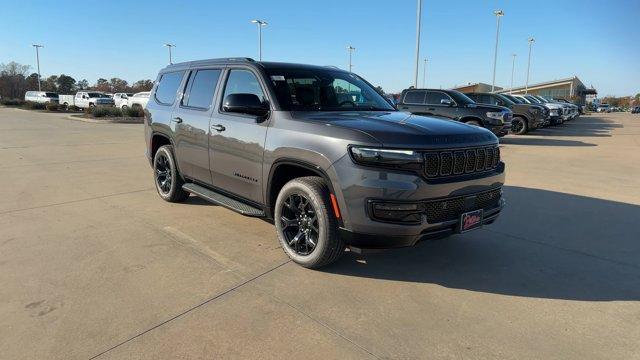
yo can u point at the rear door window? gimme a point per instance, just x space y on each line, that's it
416 97
435 97
168 87
201 87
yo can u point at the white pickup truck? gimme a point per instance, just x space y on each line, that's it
122 100
139 99
86 99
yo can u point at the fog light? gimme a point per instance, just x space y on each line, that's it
397 212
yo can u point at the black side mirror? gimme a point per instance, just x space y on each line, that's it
245 104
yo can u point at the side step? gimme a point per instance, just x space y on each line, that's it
223 200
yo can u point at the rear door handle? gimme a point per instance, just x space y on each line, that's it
218 128
177 119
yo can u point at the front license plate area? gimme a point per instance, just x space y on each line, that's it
471 220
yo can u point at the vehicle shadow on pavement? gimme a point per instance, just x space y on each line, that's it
587 126
542 142
545 245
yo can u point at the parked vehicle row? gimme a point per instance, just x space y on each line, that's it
86 99
318 151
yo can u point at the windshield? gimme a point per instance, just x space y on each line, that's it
507 100
532 99
460 98
542 100
95 95
516 100
324 90
51 95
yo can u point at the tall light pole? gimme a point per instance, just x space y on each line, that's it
350 49
498 14
424 74
169 46
418 21
37 46
260 24
513 66
526 86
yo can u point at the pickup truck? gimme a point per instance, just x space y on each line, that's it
121 100
526 117
139 99
86 99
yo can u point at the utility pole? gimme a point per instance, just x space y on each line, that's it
418 21
498 14
169 46
424 74
350 49
260 24
513 66
38 62
526 86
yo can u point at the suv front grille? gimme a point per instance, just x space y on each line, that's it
451 208
456 162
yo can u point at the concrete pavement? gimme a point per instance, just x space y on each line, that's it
94 264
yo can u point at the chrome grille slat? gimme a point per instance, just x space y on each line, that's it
453 162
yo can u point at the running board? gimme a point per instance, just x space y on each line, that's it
222 200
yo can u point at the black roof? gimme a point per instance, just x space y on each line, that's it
247 61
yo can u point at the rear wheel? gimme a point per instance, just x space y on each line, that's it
124 107
519 126
166 176
306 224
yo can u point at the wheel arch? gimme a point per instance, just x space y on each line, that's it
286 169
468 118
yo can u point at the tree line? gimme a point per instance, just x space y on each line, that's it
16 79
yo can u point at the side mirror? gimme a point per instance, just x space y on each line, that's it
245 104
446 102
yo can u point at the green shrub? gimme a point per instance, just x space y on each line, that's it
134 112
52 107
104 111
33 105
12 102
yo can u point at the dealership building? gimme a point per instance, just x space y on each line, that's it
569 88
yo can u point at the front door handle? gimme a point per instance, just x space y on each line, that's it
177 119
218 128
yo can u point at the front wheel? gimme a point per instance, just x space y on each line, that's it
519 126
473 123
306 223
166 175
124 107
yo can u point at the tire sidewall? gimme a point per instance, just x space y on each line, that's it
523 130
166 150
319 206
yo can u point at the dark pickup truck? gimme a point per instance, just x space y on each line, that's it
526 117
455 105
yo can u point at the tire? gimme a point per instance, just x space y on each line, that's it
519 126
312 223
124 107
473 123
166 176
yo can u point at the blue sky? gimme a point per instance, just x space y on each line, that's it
595 40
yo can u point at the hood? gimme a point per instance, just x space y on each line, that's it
402 130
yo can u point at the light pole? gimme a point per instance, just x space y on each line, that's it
418 21
169 46
350 49
424 74
526 86
513 66
38 62
260 24
498 14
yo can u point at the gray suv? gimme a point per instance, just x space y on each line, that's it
319 152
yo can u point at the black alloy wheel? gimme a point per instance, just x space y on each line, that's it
163 173
299 224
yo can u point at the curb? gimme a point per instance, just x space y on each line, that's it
106 120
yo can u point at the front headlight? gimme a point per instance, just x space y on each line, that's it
553 112
390 158
495 115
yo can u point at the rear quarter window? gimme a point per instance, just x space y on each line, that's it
168 87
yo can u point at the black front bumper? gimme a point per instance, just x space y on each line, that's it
441 230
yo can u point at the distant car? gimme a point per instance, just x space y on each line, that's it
139 99
87 99
635 110
603 108
41 97
555 110
121 100
526 117
454 105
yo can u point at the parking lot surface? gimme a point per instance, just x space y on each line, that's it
94 264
